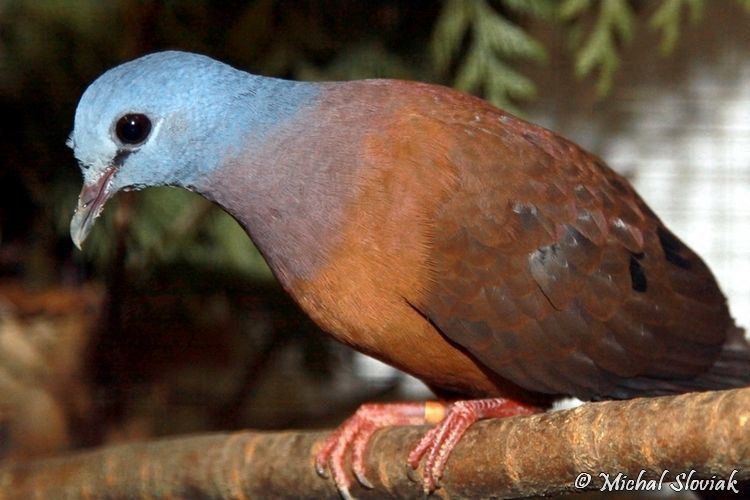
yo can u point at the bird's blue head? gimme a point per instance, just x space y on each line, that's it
168 118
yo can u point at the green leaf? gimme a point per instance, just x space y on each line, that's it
540 9
615 21
620 16
668 18
450 30
495 40
570 9
505 37
470 75
510 82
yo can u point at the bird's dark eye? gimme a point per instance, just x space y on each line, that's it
133 128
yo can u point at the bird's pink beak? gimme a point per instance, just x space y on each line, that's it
90 204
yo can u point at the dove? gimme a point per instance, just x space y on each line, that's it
496 261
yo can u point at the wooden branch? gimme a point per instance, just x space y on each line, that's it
539 454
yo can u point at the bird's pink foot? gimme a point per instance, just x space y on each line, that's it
355 433
452 421
439 441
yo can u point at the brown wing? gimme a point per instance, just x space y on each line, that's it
553 273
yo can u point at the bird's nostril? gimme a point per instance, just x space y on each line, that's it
95 191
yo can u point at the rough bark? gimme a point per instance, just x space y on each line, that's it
539 454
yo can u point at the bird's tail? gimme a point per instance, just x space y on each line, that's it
730 370
732 367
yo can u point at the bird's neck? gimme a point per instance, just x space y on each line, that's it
246 111
288 187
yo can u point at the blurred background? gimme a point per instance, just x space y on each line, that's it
170 322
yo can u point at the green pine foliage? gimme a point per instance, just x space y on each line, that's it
597 51
495 42
668 19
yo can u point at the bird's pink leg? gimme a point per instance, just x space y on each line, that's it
452 421
439 442
356 431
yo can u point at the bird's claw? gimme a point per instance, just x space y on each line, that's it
320 469
354 435
438 444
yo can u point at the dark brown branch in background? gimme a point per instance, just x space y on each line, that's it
709 432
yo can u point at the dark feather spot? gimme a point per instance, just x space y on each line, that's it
551 272
637 274
673 248
527 214
542 255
